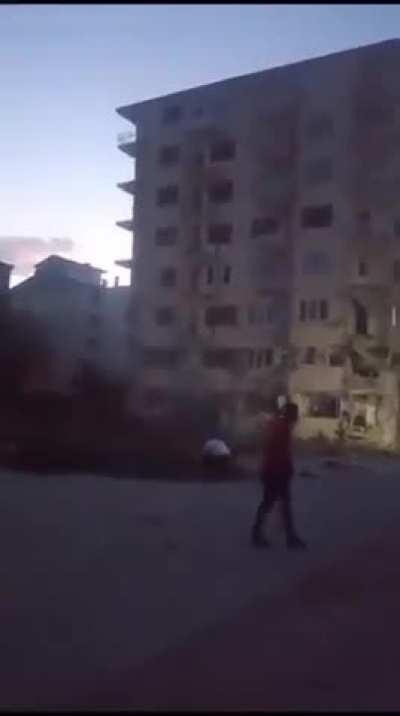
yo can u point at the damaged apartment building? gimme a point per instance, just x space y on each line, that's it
266 243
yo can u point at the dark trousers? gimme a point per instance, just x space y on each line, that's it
276 490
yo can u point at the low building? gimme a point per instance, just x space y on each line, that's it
87 324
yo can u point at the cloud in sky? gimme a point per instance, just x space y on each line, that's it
26 251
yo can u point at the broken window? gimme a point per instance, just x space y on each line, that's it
219 358
361 318
160 357
337 358
320 126
264 226
166 235
168 277
318 171
172 114
323 405
165 316
221 192
310 355
169 155
167 195
396 271
362 268
223 151
317 217
220 233
221 316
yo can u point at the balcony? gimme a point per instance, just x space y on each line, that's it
127 224
128 186
124 263
126 142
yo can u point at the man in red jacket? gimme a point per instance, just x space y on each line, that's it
276 476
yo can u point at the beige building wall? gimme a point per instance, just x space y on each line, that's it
306 137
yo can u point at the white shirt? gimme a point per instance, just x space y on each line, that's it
216 448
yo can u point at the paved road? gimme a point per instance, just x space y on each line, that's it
134 594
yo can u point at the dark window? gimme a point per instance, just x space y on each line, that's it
264 226
223 151
364 217
167 195
337 358
160 357
221 192
312 310
259 360
166 235
218 358
221 316
227 274
172 114
323 406
210 274
317 217
361 318
220 233
168 277
310 355
268 356
396 271
323 310
165 316
320 126
395 361
396 227
303 311
318 170
169 155
362 268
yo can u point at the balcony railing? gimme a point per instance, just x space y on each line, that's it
126 137
127 143
128 186
127 224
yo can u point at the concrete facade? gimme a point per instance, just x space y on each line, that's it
266 224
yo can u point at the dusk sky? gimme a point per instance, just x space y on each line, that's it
63 71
